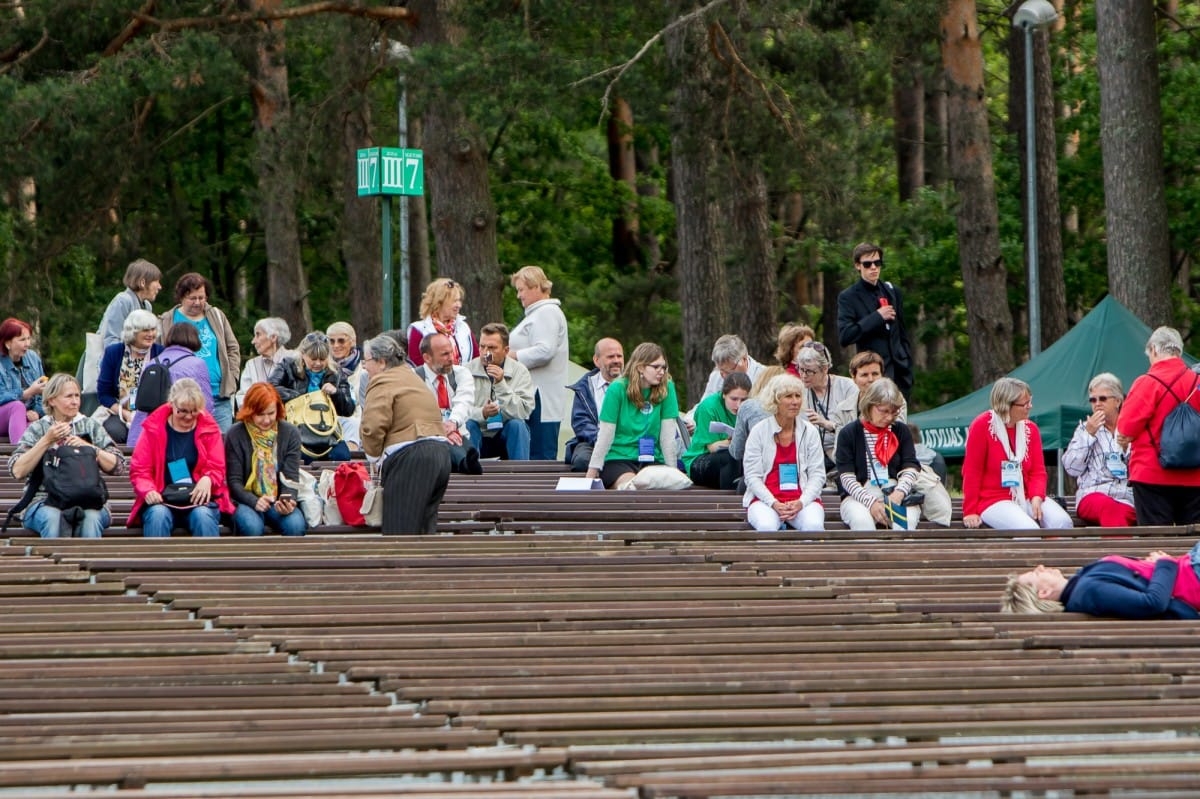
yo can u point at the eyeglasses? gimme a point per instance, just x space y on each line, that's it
185 411
887 410
339 340
1094 400
810 372
1026 404
658 367
316 338
871 264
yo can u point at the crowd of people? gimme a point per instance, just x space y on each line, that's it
228 439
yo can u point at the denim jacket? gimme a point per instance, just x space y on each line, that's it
11 384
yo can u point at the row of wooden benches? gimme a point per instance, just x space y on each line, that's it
582 665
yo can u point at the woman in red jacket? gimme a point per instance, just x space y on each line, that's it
178 468
1161 496
1004 475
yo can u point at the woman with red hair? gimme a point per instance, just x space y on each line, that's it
261 451
21 379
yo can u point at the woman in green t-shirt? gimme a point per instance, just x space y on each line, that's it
637 419
707 460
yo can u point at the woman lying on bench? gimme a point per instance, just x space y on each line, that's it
1159 586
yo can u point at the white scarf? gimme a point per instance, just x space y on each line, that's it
1001 432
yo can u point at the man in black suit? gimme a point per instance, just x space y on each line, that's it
871 317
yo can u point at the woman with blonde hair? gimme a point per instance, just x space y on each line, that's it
539 343
440 306
1004 471
784 466
751 412
637 419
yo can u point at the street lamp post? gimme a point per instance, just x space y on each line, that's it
1031 15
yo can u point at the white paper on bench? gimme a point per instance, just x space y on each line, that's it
579 484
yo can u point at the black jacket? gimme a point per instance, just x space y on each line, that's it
290 379
860 324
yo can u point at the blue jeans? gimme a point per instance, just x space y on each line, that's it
543 436
45 521
248 521
159 520
223 413
514 435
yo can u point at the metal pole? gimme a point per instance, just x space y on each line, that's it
386 224
1035 310
405 278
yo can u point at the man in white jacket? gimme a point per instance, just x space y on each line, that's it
503 398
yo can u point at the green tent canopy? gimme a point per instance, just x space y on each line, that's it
1109 339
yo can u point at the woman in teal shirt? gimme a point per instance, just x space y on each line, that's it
637 419
707 460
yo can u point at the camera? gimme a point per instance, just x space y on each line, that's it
487 358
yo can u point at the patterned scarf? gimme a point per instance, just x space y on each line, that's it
886 442
1001 433
131 369
447 329
263 480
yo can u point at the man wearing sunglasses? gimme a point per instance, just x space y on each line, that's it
871 317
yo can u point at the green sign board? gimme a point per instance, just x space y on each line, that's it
390 170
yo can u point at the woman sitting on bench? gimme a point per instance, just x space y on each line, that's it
1159 586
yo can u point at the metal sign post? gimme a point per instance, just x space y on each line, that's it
386 172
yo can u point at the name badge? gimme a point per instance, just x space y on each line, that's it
1010 474
495 422
446 415
789 477
879 473
646 449
1116 465
177 470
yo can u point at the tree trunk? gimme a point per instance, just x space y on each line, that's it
936 133
1139 265
751 270
456 176
622 165
418 234
989 321
361 228
703 294
1051 283
908 113
276 172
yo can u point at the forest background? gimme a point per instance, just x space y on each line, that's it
680 169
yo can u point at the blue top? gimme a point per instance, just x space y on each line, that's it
1106 588
108 381
209 345
14 380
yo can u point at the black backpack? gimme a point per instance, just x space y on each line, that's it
155 385
71 477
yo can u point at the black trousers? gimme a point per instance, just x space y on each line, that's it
715 470
1165 505
414 482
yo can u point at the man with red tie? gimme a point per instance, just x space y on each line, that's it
454 388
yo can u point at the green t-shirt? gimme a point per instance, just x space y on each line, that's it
711 409
634 422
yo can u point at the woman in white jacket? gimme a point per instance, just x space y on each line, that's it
784 464
539 342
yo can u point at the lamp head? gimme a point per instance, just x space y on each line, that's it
1034 14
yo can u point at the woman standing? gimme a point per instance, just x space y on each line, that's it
784 466
218 345
877 461
1004 475
637 419
143 281
63 425
824 392
178 468
260 449
121 371
21 379
1098 463
440 306
791 338
539 342
707 460
271 337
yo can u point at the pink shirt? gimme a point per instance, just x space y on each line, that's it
1187 585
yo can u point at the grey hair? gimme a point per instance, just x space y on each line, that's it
275 328
882 392
728 349
1006 391
783 385
137 321
1165 341
186 391
385 349
813 355
1110 381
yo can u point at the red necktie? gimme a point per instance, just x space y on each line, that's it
443 393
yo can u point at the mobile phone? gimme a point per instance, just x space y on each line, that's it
285 497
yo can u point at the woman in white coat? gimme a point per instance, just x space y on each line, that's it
784 463
539 342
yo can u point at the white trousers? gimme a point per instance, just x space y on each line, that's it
1008 515
764 519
